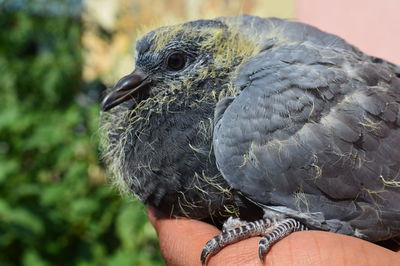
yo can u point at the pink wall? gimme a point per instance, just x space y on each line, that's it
371 25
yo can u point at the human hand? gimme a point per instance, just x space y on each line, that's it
182 240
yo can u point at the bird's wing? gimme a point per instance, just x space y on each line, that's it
315 132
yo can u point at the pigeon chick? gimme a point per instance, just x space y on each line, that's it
271 121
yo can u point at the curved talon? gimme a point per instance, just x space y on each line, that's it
203 257
210 248
263 248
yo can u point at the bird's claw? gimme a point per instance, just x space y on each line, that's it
210 248
281 229
272 232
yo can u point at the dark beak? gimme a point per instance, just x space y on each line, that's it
127 88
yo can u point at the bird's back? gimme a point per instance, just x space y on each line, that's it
313 131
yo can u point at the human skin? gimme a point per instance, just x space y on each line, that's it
181 241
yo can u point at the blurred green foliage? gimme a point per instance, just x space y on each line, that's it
55 206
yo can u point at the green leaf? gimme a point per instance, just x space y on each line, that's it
32 258
121 258
8 168
20 219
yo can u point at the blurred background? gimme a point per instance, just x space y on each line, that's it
56 59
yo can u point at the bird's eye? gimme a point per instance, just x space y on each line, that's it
176 61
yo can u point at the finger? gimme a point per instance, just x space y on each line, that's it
323 248
309 248
182 240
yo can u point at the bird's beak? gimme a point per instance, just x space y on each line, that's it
127 88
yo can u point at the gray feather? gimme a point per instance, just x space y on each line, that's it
320 134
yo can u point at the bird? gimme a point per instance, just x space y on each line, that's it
265 125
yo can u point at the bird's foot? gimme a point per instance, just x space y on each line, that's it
235 230
280 230
232 235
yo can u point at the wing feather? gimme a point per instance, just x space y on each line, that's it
315 132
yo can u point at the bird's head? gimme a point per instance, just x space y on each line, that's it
157 121
188 61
